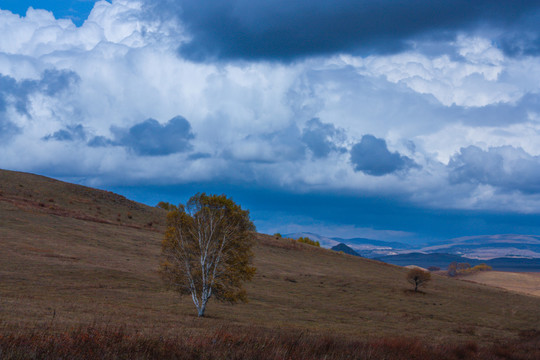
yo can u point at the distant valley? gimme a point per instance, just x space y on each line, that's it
505 252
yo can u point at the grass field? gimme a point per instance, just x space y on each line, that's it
526 283
73 256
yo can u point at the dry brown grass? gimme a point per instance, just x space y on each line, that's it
248 343
525 283
64 271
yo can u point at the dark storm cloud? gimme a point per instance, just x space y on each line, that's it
70 133
17 93
286 30
322 138
524 37
153 139
506 167
371 156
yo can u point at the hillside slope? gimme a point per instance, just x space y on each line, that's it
527 283
90 256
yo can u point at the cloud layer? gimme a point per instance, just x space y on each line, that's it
506 168
429 104
285 30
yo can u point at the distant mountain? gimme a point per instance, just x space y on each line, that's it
472 249
344 248
487 247
442 260
371 243
515 264
369 248
424 260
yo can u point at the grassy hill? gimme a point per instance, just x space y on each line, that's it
345 249
72 256
527 283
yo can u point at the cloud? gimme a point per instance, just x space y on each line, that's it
7 129
198 156
150 138
16 96
286 30
101 141
371 156
75 10
522 39
17 93
275 124
322 138
506 167
270 147
499 114
71 133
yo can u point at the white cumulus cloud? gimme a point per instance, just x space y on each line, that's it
290 125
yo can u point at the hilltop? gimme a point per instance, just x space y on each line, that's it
73 255
345 249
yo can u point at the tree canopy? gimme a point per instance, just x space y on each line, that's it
207 250
418 277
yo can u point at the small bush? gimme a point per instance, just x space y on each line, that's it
456 268
418 277
466 269
166 206
308 241
482 267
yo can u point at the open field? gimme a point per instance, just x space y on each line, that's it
71 262
526 283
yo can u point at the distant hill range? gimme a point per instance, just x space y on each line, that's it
364 247
506 252
443 260
488 247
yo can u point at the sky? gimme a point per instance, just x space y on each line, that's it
416 120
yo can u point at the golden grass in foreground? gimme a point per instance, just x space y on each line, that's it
526 283
69 265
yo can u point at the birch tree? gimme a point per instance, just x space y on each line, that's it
207 250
